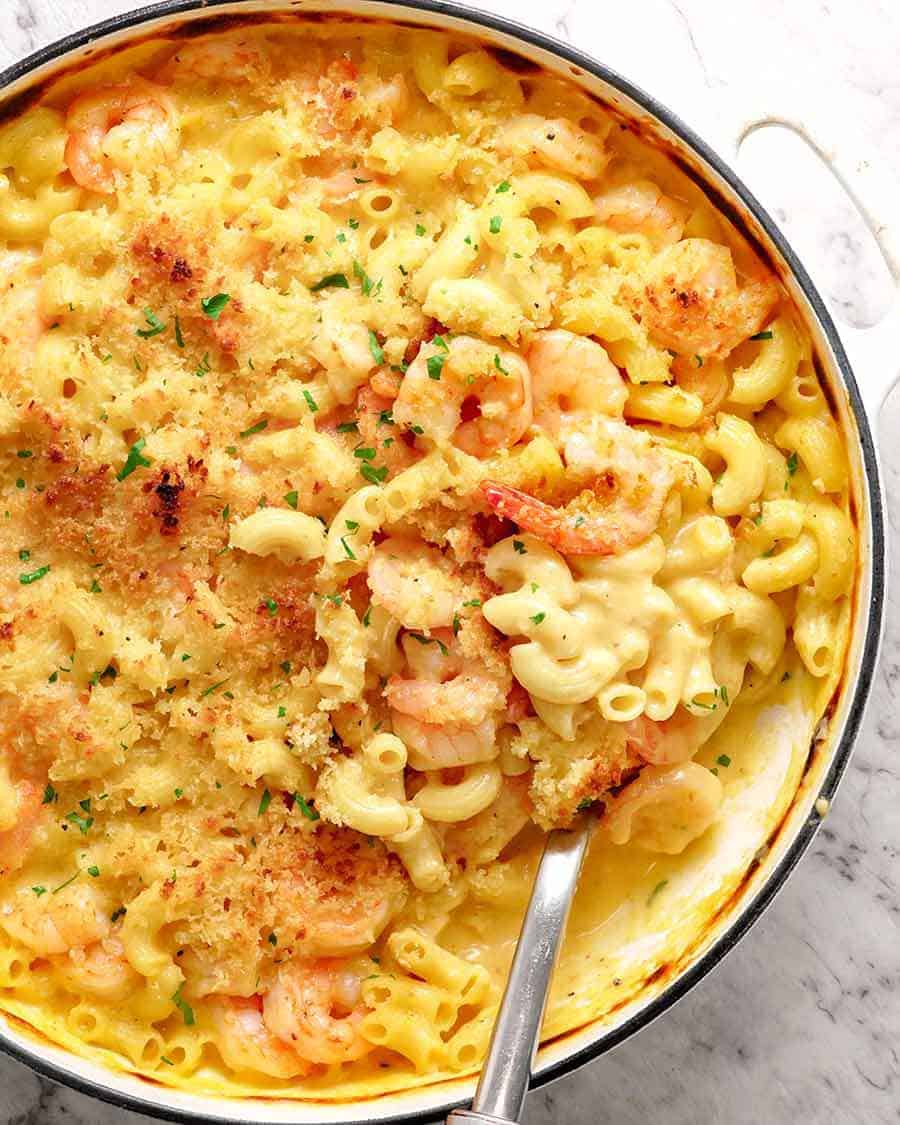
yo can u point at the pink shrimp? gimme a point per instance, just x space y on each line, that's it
665 743
449 691
217 58
433 747
414 584
572 377
14 841
316 1008
620 508
641 208
691 301
246 1043
467 392
138 110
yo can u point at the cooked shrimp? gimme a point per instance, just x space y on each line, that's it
626 487
467 392
556 144
19 823
337 891
377 430
640 207
386 383
220 57
572 378
55 923
246 1043
665 808
413 583
668 742
316 1008
706 378
388 100
691 300
433 747
137 118
450 692
101 968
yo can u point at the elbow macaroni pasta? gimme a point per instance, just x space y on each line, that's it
383 475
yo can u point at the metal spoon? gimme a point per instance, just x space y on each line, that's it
506 1073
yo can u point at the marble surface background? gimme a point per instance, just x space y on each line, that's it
801 1024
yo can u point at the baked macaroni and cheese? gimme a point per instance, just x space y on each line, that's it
399 456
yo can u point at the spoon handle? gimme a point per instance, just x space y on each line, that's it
507 1069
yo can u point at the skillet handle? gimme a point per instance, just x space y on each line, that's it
874 352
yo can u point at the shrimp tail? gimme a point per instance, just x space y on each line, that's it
569 532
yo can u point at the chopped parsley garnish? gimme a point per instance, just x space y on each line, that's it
179 793
348 428
367 617
475 603
347 548
118 913
154 325
308 237
96 588
499 365
656 890
134 460
767 335
285 666
340 236
519 547
34 575
50 795
430 641
698 360
272 938
723 694
538 618
187 1012
792 464
495 224
360 180
61 886
368 285
374 474
435 365
84 822
331 281
212 688
723 760
38 890
24 555
375 348
264 802
364 453
335 599
93 871
420 230
282 712
203 367
290 498
306 807
353 224
256 429
310 402
226 512
440 342
386 418
20 483
24 454
500 188
212 306
179 339
272 606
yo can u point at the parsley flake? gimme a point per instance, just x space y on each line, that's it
310 402
495 224
264 802
154 325
290 498
187 1012
306 807
435 365
212 306
331 281
375 348
767 335
256 429
134 460
34 575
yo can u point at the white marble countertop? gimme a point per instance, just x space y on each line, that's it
801 1024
